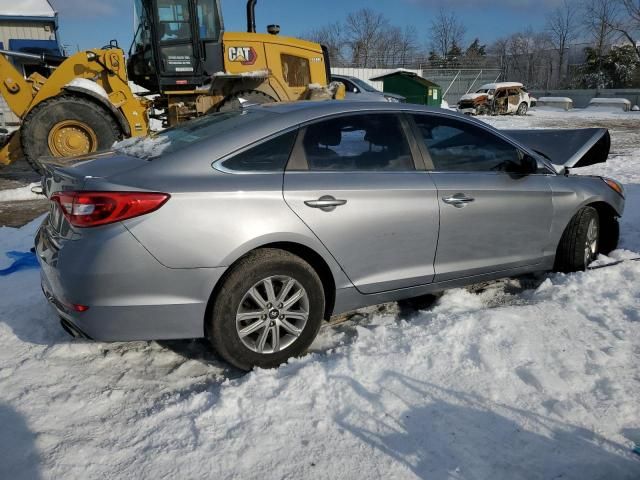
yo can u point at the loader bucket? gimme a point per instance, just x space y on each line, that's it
10 149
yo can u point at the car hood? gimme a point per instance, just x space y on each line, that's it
473 96
567 148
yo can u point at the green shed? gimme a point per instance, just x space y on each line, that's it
412 86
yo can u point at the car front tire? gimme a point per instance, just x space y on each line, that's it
580 242
268 309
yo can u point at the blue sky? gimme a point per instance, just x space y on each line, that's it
92 23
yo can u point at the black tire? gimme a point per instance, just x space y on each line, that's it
249 271
43 118
570 256
609 234
250 97
522 109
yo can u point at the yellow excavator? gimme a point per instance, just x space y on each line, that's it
184 61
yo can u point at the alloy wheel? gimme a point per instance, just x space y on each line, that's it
591 244
272 314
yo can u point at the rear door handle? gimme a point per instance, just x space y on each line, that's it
459 200
326 203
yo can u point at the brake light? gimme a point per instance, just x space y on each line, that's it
91 209
79 308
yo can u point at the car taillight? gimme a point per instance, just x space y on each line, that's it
91 209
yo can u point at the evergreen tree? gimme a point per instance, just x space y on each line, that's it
476 50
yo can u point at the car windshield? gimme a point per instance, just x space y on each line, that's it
364 85
485 90
188 133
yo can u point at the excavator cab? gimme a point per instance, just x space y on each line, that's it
177 44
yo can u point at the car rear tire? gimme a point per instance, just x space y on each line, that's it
269 308
522 109
67 125
580 242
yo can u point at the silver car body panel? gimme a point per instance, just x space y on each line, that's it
152 277
362 94
506 225
394 215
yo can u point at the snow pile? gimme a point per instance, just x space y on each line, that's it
143 147
615 104
555 99
251 74
86 84
519 379
19 194
445 105
26 8
554 103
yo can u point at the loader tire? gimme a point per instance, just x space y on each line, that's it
66 126
249 97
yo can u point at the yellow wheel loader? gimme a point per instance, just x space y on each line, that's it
186 64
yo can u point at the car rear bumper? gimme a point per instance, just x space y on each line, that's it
129 294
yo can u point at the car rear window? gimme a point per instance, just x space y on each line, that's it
188 133
269 156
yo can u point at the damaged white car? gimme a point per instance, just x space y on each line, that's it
496 99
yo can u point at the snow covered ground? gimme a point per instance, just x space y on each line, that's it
521 379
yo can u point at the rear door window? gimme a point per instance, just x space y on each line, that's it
269 156
369 142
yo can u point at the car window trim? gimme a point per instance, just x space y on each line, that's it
429 166
302 164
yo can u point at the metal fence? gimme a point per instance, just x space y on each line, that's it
455 82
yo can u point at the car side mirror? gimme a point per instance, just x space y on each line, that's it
529 165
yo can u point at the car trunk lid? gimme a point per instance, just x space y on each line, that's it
71 174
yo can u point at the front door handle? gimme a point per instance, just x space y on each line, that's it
459 200
326 203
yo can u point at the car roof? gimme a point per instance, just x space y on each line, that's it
493 86
313 109
276 118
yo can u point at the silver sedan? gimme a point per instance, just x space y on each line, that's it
252 227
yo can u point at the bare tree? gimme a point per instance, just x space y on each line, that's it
446 30
628 23
500 50
364 31
398 47
562 26
598 17
333 38
526 57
